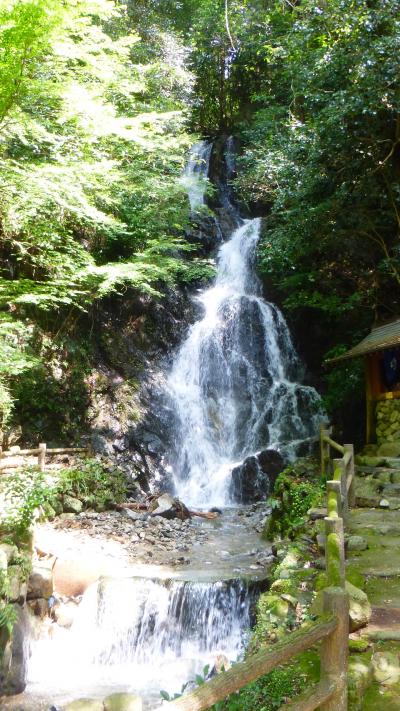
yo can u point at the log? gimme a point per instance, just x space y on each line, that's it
259 664
204 514
312 698
145 507
67 450
333 444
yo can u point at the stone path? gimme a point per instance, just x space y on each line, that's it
374 553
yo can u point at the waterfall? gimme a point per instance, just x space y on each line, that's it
196 174
234 383
144 635
235 390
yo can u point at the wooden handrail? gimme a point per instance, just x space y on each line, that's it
312 698
333 444
255 666
40 452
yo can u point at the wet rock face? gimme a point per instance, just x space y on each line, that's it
14 661
129 415
253 480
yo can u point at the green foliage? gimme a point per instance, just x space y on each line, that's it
21 495
25 30
52 397
297 489
268 693
321 155
97 486
92 146
342 381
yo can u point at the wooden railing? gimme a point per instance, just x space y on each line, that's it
41 452
332 629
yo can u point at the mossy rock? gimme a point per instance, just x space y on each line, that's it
386 668
389 449
48 511
358 646
368 461
359 678
273 607
281 586
72 505
359 607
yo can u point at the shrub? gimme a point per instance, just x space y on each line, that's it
92 483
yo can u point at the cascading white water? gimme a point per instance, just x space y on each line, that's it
196 174
234 382
142 635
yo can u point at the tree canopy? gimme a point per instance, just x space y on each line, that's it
99 101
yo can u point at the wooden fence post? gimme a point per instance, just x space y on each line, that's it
350 473
334 651
324 448
334 492
340 475
42 456
334 551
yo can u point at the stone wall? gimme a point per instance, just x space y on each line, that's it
388 421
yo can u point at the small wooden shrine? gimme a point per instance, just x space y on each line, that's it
381 350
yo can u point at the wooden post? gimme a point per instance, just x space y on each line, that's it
334 497
350 474
340 475
42 456
334 650
324 448
334 551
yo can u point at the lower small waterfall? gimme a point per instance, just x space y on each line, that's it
142 635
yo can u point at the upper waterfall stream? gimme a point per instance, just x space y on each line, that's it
234 383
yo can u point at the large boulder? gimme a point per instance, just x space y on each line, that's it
253 479
72 505
360 608
73 577
40 583
169 507
386 668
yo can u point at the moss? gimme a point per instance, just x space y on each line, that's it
333 560
358 645
297 489
332 504
321 582
280 586
355 577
